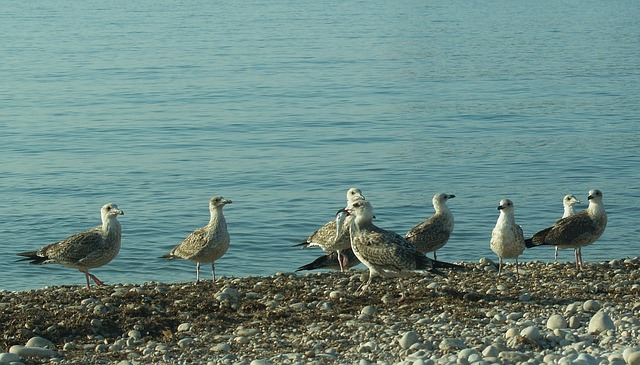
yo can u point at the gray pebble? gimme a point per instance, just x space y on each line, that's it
6 357
369 310
260 362
591 306
247 331
221 347
134 334
185 342
451 344
513 356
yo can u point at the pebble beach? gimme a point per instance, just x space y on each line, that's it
554 314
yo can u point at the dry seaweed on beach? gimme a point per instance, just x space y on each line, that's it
319 317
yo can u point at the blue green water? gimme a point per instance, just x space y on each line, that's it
282 106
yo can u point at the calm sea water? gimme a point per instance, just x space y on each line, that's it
282 106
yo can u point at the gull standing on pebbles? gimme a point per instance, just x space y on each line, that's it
334 235
433 233
385 253
568 202
507 239
85 250
207 244
576 231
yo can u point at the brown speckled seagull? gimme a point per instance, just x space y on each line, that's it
333 238
433 233
207 244
85 250
568 202
385 253
578 230
507 239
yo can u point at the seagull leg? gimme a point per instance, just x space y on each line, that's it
434 256
365 286
213 270
517 271
555 257
579 258
500 266
340 261
197 271
345 262
95 279
86 275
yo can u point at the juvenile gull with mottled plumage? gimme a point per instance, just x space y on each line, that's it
207 244
85 250
385 253
433 233
507 239
333 238
579 230
568 202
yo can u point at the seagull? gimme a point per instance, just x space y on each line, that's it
568 202
433 233
330 261
332 237
385 253
576 231
507 239
207 244
85 250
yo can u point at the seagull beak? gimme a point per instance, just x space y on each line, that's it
451 196
227 201
500 207
343 211
119 212
590 197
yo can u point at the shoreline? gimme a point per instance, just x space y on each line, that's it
472 314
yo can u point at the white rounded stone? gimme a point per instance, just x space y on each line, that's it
184 327
627 352
634 358
556 321
490 351
24 351
39 342
531 333
408 339
600 322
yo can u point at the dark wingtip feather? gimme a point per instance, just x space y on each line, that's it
322 262
32 257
